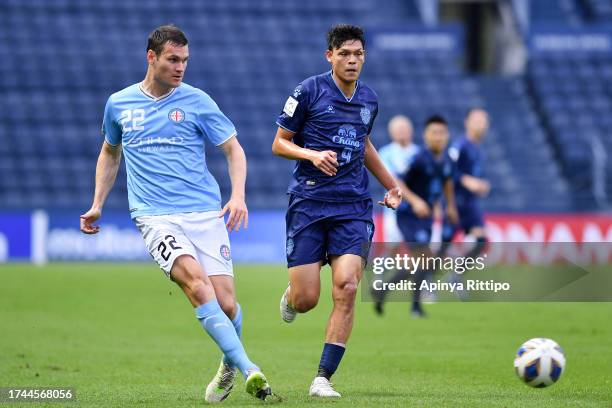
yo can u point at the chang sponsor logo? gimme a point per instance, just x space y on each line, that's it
346 136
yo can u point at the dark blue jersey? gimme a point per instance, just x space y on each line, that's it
322 118
427 174
467 158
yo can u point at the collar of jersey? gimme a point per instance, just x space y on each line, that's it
468 141
331 78
156 99
433 156
400 147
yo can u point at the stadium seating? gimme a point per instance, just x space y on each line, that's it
599 10
527 168
556 11
66 57
575 97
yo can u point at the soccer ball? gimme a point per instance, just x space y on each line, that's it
539 362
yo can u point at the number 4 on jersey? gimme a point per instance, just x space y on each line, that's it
346 155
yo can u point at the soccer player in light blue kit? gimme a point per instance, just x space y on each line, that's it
397 157
161 125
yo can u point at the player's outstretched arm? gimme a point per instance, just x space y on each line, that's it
476 185
106 172
419 206
283 146
374 164
237 168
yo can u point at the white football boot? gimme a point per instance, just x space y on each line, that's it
287 312
222 384
321 387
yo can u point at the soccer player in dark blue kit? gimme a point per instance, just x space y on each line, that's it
427 178
470 185
325 126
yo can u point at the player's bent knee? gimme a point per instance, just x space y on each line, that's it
302 304
345 292
199 290
228 306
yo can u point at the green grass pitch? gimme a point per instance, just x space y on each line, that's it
123 335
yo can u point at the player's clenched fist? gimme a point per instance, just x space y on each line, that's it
326 162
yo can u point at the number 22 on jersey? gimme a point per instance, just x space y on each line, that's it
131 119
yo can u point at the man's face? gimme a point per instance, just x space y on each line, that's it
436 137
347 60
169 67
401 132
477 124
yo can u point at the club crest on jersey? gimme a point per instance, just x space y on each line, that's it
365 115
290 246
225 252
176 115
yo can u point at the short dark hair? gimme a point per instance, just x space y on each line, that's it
436 119
340 33
165 34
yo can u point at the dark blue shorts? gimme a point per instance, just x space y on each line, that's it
414 229
470 216
317 230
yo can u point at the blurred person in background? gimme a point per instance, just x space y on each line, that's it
424 182
397 157
470 184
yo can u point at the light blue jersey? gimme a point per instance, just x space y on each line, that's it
397 159
163 143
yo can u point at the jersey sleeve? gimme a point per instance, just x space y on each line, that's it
213 123
463 161
110 128
295 111
448 172
371 124
412 168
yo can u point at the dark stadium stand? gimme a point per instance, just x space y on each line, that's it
574 94
63 58
527 168
599 10
556 11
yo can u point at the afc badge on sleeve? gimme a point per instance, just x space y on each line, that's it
290 106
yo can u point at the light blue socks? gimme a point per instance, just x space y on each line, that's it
224 333
237 322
